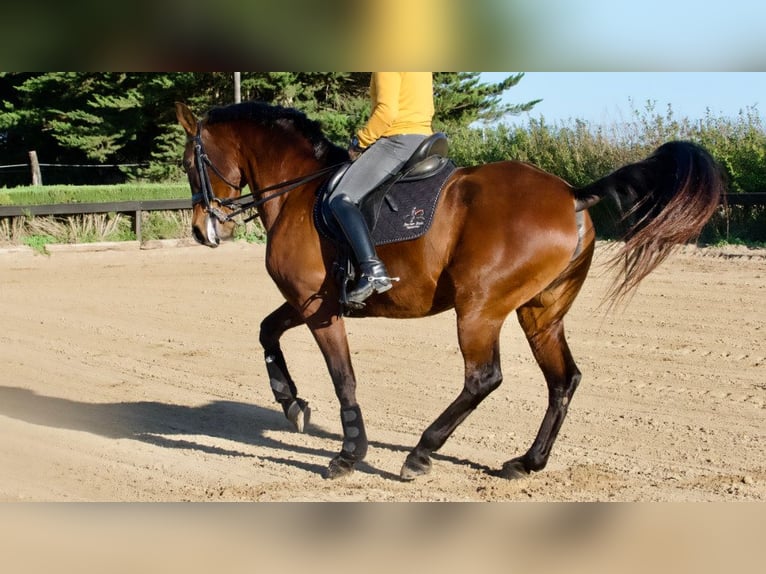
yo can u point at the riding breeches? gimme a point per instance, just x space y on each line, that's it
381 160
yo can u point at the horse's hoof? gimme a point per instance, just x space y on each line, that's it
415 466
338 468
514 469
299 414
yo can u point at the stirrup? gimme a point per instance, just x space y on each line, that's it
366 287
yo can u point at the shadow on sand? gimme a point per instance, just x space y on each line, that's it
161 424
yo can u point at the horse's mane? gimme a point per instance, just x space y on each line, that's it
270 115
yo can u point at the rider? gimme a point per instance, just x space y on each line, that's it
402 108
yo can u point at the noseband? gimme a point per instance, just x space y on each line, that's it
243 203
205 195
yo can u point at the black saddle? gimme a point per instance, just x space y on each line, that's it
428 160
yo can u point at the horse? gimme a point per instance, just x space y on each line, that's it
506 236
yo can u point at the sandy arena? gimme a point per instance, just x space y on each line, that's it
136 375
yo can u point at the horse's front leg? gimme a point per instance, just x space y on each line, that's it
285 392
331 337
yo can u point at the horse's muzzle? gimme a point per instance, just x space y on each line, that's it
206 233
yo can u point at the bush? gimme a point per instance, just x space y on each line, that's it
580 153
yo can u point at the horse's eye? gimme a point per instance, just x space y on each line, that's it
186 166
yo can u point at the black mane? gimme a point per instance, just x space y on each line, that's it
272 115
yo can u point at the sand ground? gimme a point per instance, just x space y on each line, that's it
136 375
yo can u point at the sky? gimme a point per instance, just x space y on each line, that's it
604 98
625 35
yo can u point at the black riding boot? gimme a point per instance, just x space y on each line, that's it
373 275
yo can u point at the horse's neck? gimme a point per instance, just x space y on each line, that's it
274 158
301 196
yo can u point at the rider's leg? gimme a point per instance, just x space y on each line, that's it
373 275
379 162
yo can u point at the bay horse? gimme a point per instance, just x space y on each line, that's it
505 237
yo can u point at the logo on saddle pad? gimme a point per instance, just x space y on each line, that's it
416 219
408 208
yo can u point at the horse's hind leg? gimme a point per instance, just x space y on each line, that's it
550 349
285 392
478 337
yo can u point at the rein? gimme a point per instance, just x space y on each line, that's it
243 202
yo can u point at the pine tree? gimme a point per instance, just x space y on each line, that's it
129 118
462 99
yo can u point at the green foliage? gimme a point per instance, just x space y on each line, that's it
460 99
38 242
84 118
51 194
252 232
338 101
581 153
165 225
128 119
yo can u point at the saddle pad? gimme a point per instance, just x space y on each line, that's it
408 209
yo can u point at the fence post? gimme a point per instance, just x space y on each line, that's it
137 223
37 176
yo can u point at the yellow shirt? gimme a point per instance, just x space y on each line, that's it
402 103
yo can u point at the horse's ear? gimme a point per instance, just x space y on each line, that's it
186 118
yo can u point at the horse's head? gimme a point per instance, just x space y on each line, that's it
214 177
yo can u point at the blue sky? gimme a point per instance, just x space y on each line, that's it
625 35
605 97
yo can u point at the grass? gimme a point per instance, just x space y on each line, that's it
38 242
252 232
166 225
41 195
37 232
87 228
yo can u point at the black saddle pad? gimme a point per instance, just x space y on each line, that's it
405 212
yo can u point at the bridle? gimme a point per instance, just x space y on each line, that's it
242 203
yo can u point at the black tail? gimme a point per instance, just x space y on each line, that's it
663 201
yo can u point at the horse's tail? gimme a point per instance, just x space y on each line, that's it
664 201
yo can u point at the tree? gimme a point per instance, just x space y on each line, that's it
340 100
128 118
462 99
83 118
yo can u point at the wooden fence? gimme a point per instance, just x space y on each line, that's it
746 199
134 208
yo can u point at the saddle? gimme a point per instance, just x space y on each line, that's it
400 209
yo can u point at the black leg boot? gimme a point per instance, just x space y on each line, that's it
373 275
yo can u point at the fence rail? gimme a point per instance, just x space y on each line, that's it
746 199
132 207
